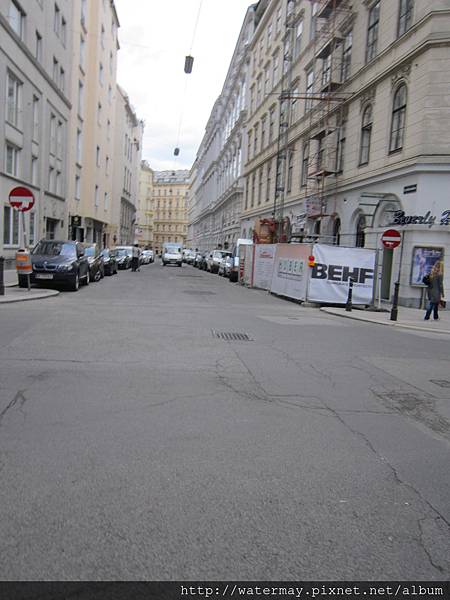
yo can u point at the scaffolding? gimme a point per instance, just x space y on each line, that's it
328 106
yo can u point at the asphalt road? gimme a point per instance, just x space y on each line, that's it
136 443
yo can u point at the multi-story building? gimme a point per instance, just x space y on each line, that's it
170 193
345 137
128 132
95 46
35 75
146 206
216 204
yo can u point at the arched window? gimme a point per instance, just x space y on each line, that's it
398 119
360 235
337 231
366 134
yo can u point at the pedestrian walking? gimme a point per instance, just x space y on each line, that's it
135 258
435 290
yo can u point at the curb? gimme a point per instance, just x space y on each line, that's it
39 296
389 324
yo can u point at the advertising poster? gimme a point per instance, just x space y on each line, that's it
290 270
423 260
263 265
335 265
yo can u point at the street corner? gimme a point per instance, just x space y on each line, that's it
16 294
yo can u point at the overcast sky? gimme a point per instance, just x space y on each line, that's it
155 36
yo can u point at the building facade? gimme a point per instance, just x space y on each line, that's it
344 128
128 132
146 206
216 203
35 74
93 120
170 207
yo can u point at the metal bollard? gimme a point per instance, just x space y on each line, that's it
2 279
394 310
348 306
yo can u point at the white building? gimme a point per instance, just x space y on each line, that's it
35 72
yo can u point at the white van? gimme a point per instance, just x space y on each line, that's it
234 274
172 254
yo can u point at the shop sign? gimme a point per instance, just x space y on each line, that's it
401 218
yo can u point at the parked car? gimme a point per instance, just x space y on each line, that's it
188 256
204 261
199 257
172 254
109 261
123 256
225 266
58 262
234 274
214 258
146 257
95 259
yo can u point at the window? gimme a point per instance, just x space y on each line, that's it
398 119
62 79
258 90
63 31
107 165
83 12
298 38
105 201
100 74
38 47
14 92
57 21
108 129
269 181
360 235
59 140
99 113
52 134
77 187
34 170
326 71
51 179
82 51
97 156
260 182
263 133
269 35
10 226
255 139
347 56
290 171
305 161
372 32
267 79
111 63
252 202
12 154
271 123
58 183
340 155
79 146
314 10
80 97
366 133
16 18
96 196
405 16
278 20
102 36
276 59
50 228
249 144
309 90
109 94
294 107
55 70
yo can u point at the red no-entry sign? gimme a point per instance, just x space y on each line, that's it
391 238
21 198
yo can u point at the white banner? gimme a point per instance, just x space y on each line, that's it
263 265
335 266
290 270
246 264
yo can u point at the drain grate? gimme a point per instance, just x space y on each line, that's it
199 293
444 383
231 336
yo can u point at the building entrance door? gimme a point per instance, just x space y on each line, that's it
386 275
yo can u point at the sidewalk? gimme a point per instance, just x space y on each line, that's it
15 294
408 318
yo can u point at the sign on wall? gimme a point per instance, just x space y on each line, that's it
334 266
263 261
423 260
290 270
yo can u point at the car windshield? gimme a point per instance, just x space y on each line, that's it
172 249
104 253
121 252
54 249
89 250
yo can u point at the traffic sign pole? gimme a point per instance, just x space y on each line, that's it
394 310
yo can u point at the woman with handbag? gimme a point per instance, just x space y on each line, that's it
435 290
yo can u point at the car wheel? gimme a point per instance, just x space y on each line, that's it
75 285
97 275
102 273
87 279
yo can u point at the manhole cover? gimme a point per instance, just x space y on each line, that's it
231 336
444 383
199 293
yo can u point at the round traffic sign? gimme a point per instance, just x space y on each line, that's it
21 198
391 238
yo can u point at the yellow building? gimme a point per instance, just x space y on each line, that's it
170 199
144 229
